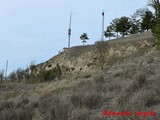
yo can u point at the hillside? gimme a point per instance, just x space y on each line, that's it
82 59
116 75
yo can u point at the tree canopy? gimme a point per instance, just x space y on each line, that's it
84 37
109 32
148 21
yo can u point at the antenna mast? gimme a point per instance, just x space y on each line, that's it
69 30
102 37
6 69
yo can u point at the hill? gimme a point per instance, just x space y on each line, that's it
120 75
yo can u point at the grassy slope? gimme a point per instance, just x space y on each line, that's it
127 83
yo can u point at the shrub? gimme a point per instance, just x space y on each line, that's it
89 100
92 100
77 100
81 114
115 86
99 53
24 101
56 105
10 94
7 105
47 75
13 76
86 76
141 78
60 111
99 79
143 99
132 87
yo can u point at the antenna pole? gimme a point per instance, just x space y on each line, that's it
102 37
6 69
69 30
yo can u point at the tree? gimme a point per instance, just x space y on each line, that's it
13 76
148 21
124 26
100 52
109 32
156 31
115 25
84 37
139 13
134 25
155 4
121 25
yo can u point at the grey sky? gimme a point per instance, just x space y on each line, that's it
35 30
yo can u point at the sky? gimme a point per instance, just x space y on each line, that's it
36 30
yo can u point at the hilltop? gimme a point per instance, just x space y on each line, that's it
118 75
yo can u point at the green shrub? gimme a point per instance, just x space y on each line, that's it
156 32
47 75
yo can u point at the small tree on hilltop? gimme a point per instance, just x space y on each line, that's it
115 25
148 21
84 37
124 25
109 32
156 32
13 76
121 25
135 25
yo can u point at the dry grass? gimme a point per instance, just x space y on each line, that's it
10 94
80 114
115 85
9 110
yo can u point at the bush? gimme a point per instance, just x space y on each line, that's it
16 114
89 100
47 75
86 76
115 86
19 75
99 79
54 104
19 111
77 100
141 78
81 114
132 87
92 100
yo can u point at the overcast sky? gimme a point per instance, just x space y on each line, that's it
35 30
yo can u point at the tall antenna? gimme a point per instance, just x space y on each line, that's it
102 37
69 30
6 69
